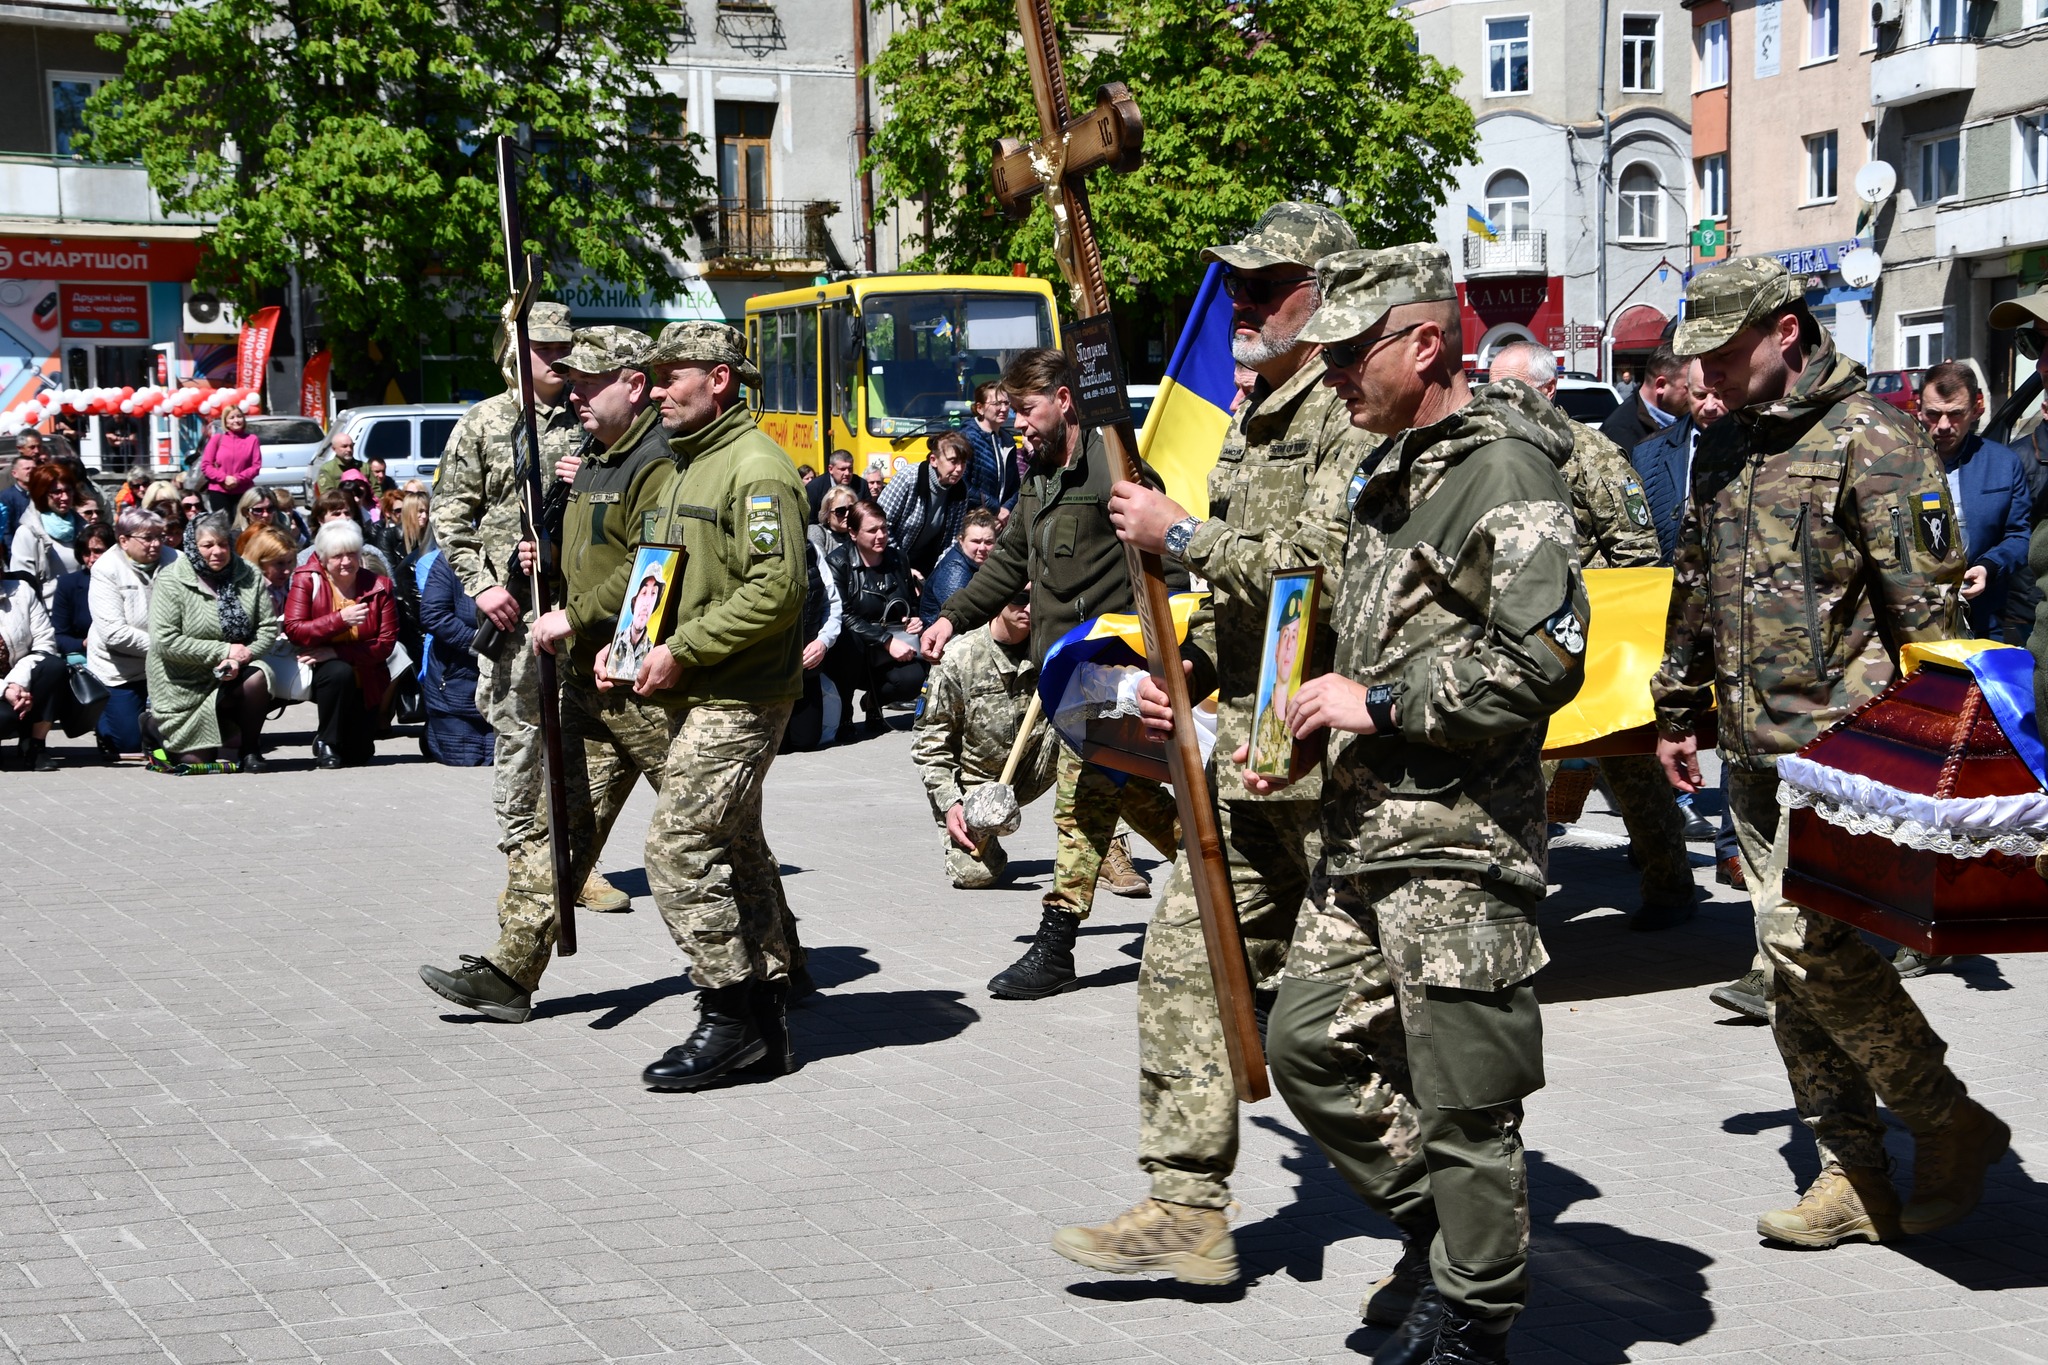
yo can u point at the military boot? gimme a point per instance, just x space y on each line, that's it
771 1016
1414 1341
1949 1165
1190 1243
478 985
1047 967
601 896
1468 1341
1387 1303
1120 872
727 1037
1744 996
1843 1202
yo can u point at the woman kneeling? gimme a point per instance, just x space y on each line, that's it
209 617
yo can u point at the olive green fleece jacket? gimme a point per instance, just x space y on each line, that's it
736 507
613 491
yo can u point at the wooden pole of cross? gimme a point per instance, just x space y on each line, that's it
1067 148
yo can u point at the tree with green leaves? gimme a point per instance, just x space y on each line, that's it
1245 102
352 140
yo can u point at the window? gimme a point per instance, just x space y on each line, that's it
1507 204
390 439
1936 21
1823 29
743 132
68 94
1820 168
1642 204
1714 185
1713 41
1640 68
434 434
1939 170
2033 150
1507 56
1923 340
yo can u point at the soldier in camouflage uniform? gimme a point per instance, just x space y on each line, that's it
608 740
728 672
975 700
1818 538
1461 626
1276 502
479 524
1616 532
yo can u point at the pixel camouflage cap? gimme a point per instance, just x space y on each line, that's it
604 350
713 343
1358 287
1722 300
1289 233
549 322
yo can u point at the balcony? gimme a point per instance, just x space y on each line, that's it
1924 71
1520 253
61 189
774 231
1992 225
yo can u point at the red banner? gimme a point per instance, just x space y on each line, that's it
252 351
313 387
82 258
105 312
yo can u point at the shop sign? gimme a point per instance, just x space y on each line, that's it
104 312
79 258
1814 260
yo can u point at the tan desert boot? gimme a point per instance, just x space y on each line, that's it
1189 1243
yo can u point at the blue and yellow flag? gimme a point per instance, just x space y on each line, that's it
1479 223
1184 431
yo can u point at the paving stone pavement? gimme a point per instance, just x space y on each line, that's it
235 1126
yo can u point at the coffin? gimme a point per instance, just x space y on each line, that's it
1917 817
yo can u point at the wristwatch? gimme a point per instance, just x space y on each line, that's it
1179 534
1379 705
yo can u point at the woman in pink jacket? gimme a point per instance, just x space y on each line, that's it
231 461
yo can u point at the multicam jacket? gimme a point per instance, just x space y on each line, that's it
1277 500
1461 595
1613 516
1818 538
973 704
476 508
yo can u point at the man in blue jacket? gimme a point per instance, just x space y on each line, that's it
1988 484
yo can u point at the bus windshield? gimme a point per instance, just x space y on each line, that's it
923 353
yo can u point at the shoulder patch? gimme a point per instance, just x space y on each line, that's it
1638 506
764 526
1931 526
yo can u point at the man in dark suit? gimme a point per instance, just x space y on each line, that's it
1658 402
838 473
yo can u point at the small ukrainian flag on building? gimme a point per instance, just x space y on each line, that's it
1478 223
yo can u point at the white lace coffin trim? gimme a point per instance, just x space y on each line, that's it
1962 827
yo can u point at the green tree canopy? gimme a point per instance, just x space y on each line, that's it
1246 102
352 139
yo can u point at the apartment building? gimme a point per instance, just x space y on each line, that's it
1583 172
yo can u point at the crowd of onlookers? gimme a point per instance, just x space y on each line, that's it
177 620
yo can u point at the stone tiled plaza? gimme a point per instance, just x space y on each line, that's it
235 1127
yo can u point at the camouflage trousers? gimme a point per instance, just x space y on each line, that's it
1847 1029
1087 803
715 880
609 739
1421 1085
1648 808
508 694
970 872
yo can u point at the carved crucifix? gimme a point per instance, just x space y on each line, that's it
1067 149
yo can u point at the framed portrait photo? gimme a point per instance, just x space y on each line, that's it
648 611
1290 632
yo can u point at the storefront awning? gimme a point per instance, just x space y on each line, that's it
1639 329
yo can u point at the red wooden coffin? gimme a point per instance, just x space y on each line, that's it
1915 819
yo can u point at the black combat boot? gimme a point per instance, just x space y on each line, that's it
771 1016
1386 1304
727 1037
1047 967
1468 1341
1414 1341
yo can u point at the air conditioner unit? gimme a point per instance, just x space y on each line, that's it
206 315
1884 13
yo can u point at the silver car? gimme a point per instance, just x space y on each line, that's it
407 437
291 447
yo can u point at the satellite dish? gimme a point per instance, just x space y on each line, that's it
1876 182
1861 267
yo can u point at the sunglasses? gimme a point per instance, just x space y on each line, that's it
1244 288
838 514
2028 340
1342 355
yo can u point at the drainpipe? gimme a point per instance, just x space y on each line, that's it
860 134
1606 351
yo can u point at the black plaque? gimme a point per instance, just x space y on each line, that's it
1099 397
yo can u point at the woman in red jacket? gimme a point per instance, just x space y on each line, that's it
344 620
231 461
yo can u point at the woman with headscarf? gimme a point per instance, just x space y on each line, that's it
117 647
345 622
210 619
45 544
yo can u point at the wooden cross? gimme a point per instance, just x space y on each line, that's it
1066 150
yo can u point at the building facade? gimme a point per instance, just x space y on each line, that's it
1570 228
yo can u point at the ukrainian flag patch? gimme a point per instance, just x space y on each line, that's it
1931 524
764 527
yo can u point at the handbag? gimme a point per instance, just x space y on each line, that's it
83 701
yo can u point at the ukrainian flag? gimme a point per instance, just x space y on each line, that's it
1184 431
1477 222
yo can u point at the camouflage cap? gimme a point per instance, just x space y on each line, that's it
711 342
602 350
1289 233
549 322
1358 287
2029 311
1722 300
